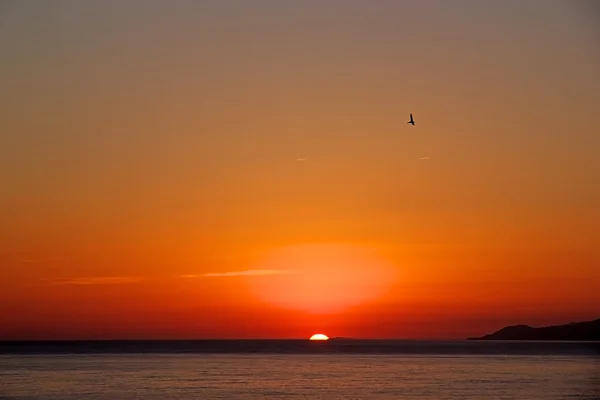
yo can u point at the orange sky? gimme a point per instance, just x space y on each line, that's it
142 148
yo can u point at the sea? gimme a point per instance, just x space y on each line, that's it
299 369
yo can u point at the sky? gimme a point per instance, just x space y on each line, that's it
236 169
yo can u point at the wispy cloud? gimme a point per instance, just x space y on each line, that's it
424 158
98 280
251 272
20 257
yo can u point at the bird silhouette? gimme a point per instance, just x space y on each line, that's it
412 121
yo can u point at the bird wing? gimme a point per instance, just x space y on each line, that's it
411 118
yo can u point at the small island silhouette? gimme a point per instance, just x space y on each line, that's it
575 331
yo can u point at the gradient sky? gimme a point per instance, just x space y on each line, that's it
144 144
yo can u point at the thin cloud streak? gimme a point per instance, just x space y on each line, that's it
251 272
99 280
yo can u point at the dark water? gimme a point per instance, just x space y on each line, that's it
302 346
299 369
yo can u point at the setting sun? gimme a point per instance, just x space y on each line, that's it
319 336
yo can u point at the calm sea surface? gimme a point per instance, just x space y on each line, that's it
280 369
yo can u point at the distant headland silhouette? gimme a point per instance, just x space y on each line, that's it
575 331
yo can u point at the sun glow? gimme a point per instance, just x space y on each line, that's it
323 278
319 336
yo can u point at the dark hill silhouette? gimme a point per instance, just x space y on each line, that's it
589 330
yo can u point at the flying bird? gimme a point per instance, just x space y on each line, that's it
412 121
